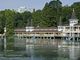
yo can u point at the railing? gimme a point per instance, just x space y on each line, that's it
35 35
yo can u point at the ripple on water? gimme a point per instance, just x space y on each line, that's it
14 58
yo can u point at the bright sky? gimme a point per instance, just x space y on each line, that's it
37 4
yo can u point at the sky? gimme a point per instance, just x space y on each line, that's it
30 4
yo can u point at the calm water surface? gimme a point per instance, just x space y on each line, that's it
47 50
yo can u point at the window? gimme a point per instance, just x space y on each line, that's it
67 27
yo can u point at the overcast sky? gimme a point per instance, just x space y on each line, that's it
37 4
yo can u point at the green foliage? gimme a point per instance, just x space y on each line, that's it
66 14
18 20
37 18
9 16
49 16
2 21
26 16
76 6
21 19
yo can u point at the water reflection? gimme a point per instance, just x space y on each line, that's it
55 50
47 50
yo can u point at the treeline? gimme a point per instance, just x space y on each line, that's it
51 15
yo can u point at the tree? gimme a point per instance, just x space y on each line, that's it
18 20
21 19
26 16
66 14
9 16
76 7
52 12
2 21
37 18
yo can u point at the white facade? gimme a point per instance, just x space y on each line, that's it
72 29
22 9
29 28
73 22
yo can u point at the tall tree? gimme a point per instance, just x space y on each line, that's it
9 15
2 21
76 7
52 12
18 20
26 16
21 19
37 18
66 14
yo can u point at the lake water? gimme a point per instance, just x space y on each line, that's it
47 50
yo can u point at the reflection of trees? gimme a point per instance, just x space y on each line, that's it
46 42
45 48
45 51
79 58
63 53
